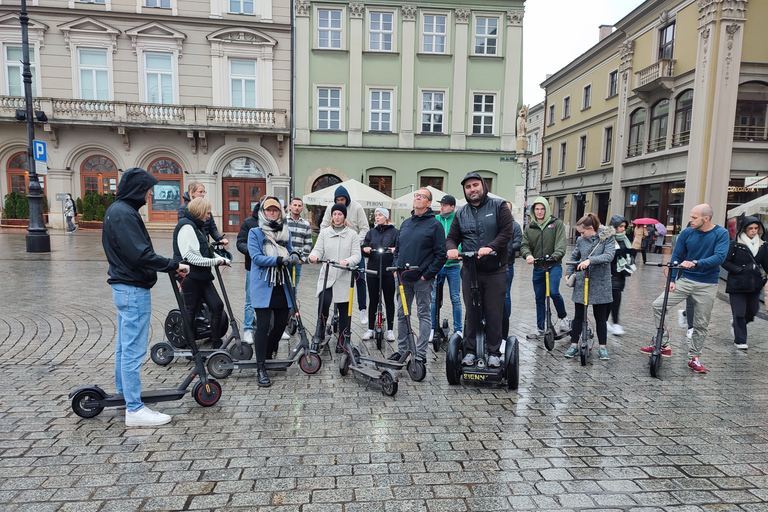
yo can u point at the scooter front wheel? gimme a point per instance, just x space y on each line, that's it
86 403
549 340
417 370
344 365
161 353
584 353
388 382
379 336
513 364
310 363
655 365
217 363
453 357
174 329
207 395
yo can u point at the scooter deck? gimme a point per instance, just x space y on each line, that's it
378 361
482 375
368 371
156 395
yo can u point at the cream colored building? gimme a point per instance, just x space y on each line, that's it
667 111
192 90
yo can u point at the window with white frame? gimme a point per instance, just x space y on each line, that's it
566 107
329 28
483 114
93 71
563 156
582 162
329 108
486 35
613 83
432 110
241 6
381 110
548 162
381 30
607 144
551 115
158 73
91 1
586 97
164 4
14 83
242 83
435 33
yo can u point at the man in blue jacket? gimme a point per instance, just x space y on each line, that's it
421 243
700 249
133 268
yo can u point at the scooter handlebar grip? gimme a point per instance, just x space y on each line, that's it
371 272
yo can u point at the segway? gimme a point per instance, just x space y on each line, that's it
658 340
440 336
587 336
550 333
89 401
221 363
509 370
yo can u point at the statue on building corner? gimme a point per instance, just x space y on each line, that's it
522 129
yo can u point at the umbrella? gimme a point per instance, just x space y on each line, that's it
645 220
367 197
660 228
405 202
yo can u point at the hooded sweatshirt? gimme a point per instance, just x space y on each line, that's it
356 216
126 242
745 270
545 238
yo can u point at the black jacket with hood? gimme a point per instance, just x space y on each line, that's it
126 242
422 243
242 236
744 268
209 226
488 224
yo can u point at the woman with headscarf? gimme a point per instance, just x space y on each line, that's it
747 265
622 266
384 235
270 248
338 242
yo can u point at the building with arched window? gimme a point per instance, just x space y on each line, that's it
666 111
191 91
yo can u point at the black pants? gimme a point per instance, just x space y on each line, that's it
689 304
493 288
388 290
361 285
616 305
266 340
657 249
601 317
744 307
343 309
194 293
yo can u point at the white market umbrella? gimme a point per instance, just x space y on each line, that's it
405 202
366 196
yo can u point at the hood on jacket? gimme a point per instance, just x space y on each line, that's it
474 175
745 222
617 220
605 232
185 197
426 215
255 214
134 186
341 191
547 213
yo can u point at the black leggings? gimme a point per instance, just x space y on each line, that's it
343 310
194 293
388 290
266 341
601 317
616 305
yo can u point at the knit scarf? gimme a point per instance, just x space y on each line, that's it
752 243
624 264
276 237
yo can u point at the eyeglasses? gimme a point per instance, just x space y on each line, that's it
420 196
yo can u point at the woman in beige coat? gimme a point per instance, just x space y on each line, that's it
638 244
338 242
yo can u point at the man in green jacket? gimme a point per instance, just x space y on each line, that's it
545 236
451 271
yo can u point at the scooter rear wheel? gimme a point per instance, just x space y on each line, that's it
174 329
161 353
293 325
86 403
655 365
453 357
549 340
583 353
513 364
379 337
344 365
417 370
310 364
388 382
207 397
241 351
216 365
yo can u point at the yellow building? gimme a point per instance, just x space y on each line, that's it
666 111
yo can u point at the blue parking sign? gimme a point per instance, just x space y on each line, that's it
39 150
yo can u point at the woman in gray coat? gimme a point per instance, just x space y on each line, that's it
595 248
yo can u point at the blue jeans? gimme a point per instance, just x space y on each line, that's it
298 276
508 298
540 290
134 310
248 311
453 276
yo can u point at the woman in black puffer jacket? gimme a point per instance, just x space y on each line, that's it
746 263
383 235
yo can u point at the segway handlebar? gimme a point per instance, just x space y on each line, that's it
406 267
545 259
473 254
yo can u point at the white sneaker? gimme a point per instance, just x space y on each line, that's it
609 328
461 334
617 330
390 336
285 336
742 346
364 316
368 334
248 337
145 417
494 362
564 324
681 320
469 360
431 334
689 334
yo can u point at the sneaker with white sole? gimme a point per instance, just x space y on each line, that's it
431 334
602 352
572 351
469 360
248 337
364 316
461 334
145 417
494 362
609 328
285 336
617 330
368 334
689 333
390 336
536 335
563 324
682 321
741 346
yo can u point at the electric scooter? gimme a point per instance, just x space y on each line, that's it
221 363
89 401
324 330
378 330
550 333
293 325
440 336
661 331
508 371
587 336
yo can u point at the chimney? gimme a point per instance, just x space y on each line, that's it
605 31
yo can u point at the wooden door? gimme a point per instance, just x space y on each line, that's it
239 198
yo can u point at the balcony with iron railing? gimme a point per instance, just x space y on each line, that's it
635 149
657 144
750 133
147 115
681 138
659 75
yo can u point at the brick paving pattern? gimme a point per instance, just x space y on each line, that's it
606 436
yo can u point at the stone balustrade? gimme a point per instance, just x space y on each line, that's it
660 69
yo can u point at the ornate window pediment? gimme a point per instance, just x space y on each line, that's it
9 30
156 36
241 36
89 31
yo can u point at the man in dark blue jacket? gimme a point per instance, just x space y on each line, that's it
133 268
421 243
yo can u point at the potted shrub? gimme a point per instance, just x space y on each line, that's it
16 210
94 207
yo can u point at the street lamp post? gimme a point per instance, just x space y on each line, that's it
38 239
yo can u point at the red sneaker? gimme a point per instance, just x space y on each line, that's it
665 351
695 365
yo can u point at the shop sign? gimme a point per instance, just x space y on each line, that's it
680 190
756 182
742 189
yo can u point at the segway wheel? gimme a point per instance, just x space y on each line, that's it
388 382
655 365
217 365
379 336
86 403
344 365
549 340
293 325
161 353
417 370
583 353
513 364
310 364
453 357
207 396
174 329
241 351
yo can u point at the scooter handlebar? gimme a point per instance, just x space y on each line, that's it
406 267
545 259
473 254
672 264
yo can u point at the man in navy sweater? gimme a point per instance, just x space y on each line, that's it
700 249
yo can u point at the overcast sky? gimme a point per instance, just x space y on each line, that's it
555 32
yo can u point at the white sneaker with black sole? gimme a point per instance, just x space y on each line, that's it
145 417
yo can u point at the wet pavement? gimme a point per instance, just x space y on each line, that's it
605 436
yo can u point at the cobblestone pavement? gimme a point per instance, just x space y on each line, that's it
605 436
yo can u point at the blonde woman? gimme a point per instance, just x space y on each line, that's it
196 189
